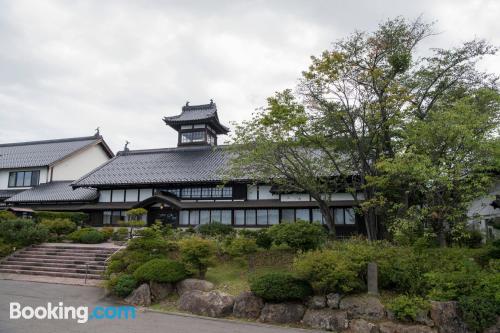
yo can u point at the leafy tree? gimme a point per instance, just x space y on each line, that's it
199 253
134 219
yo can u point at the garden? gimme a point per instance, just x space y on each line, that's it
295 274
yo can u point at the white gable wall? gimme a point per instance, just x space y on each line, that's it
80 163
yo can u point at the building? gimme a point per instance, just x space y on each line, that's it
185 185
484 212
38 174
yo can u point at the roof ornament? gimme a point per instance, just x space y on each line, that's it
97 132
126 146
187 103
211 101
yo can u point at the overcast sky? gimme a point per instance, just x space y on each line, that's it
67 67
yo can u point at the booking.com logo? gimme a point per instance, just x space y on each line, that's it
81 313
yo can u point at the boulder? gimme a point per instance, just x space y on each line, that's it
364 307
212 304
247 305
326 319
362 326
159 291
390 327
447 317
316 302
333 300
140 296
193 284
282 313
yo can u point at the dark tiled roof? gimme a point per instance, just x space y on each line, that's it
43 153
161 166
197 114
58 191
4 194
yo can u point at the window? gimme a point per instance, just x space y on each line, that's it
186 126
174 191
184 217
131 195
196 192
350 216
302 214
24 178
145 193
217 192
339 215
250 217
194 217
204 216
105 196
106 217
227 192
288 215
118 196
186 193
261 216
199 126
273 216
226 217
215 216
118 216
239 217
317 216
188 137
206 192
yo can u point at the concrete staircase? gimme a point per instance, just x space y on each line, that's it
66 261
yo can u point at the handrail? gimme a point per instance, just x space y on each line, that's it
86 270
117 250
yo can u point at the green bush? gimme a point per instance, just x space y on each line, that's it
59 226
300 235
5 249
22 232
327 272
280 287
107 231
161 270
242 246
406 308
151 244
77 217
122 285
87 236
120 234
6 215
261 236
215 229
198 253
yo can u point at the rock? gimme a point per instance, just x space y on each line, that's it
424 319
365 307
247 305
159 291
316 302
362 326
495 328
193 284
212 304
282 313
447 317
326 319
390 327
333 300
140 296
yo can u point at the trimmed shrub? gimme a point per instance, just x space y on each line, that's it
120 234
280 287
77 217
300 235
261 236
215 229
59 226
151 244
107 231
87 236
122 285
22 232
161 270
407 308
242 246
6 215
5 249
198 253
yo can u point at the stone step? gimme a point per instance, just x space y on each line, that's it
52 269
84 248
57 274
43 256
56 261
9 262
67 253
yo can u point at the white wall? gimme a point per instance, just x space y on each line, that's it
4 177
481 210
79 164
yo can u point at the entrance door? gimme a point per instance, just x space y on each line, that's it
166 215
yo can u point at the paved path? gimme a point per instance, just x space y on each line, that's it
36 294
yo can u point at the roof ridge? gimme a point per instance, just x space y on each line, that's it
27 143
169 149
199 107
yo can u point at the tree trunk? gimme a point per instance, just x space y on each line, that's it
328 216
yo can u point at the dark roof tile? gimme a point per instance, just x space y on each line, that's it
59 191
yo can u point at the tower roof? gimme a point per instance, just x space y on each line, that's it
197 114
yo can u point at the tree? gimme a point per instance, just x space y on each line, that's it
134 219
353 106
198 252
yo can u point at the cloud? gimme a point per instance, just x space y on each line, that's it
67 67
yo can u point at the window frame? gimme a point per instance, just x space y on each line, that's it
16 176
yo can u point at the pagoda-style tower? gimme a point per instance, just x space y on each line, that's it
197 125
